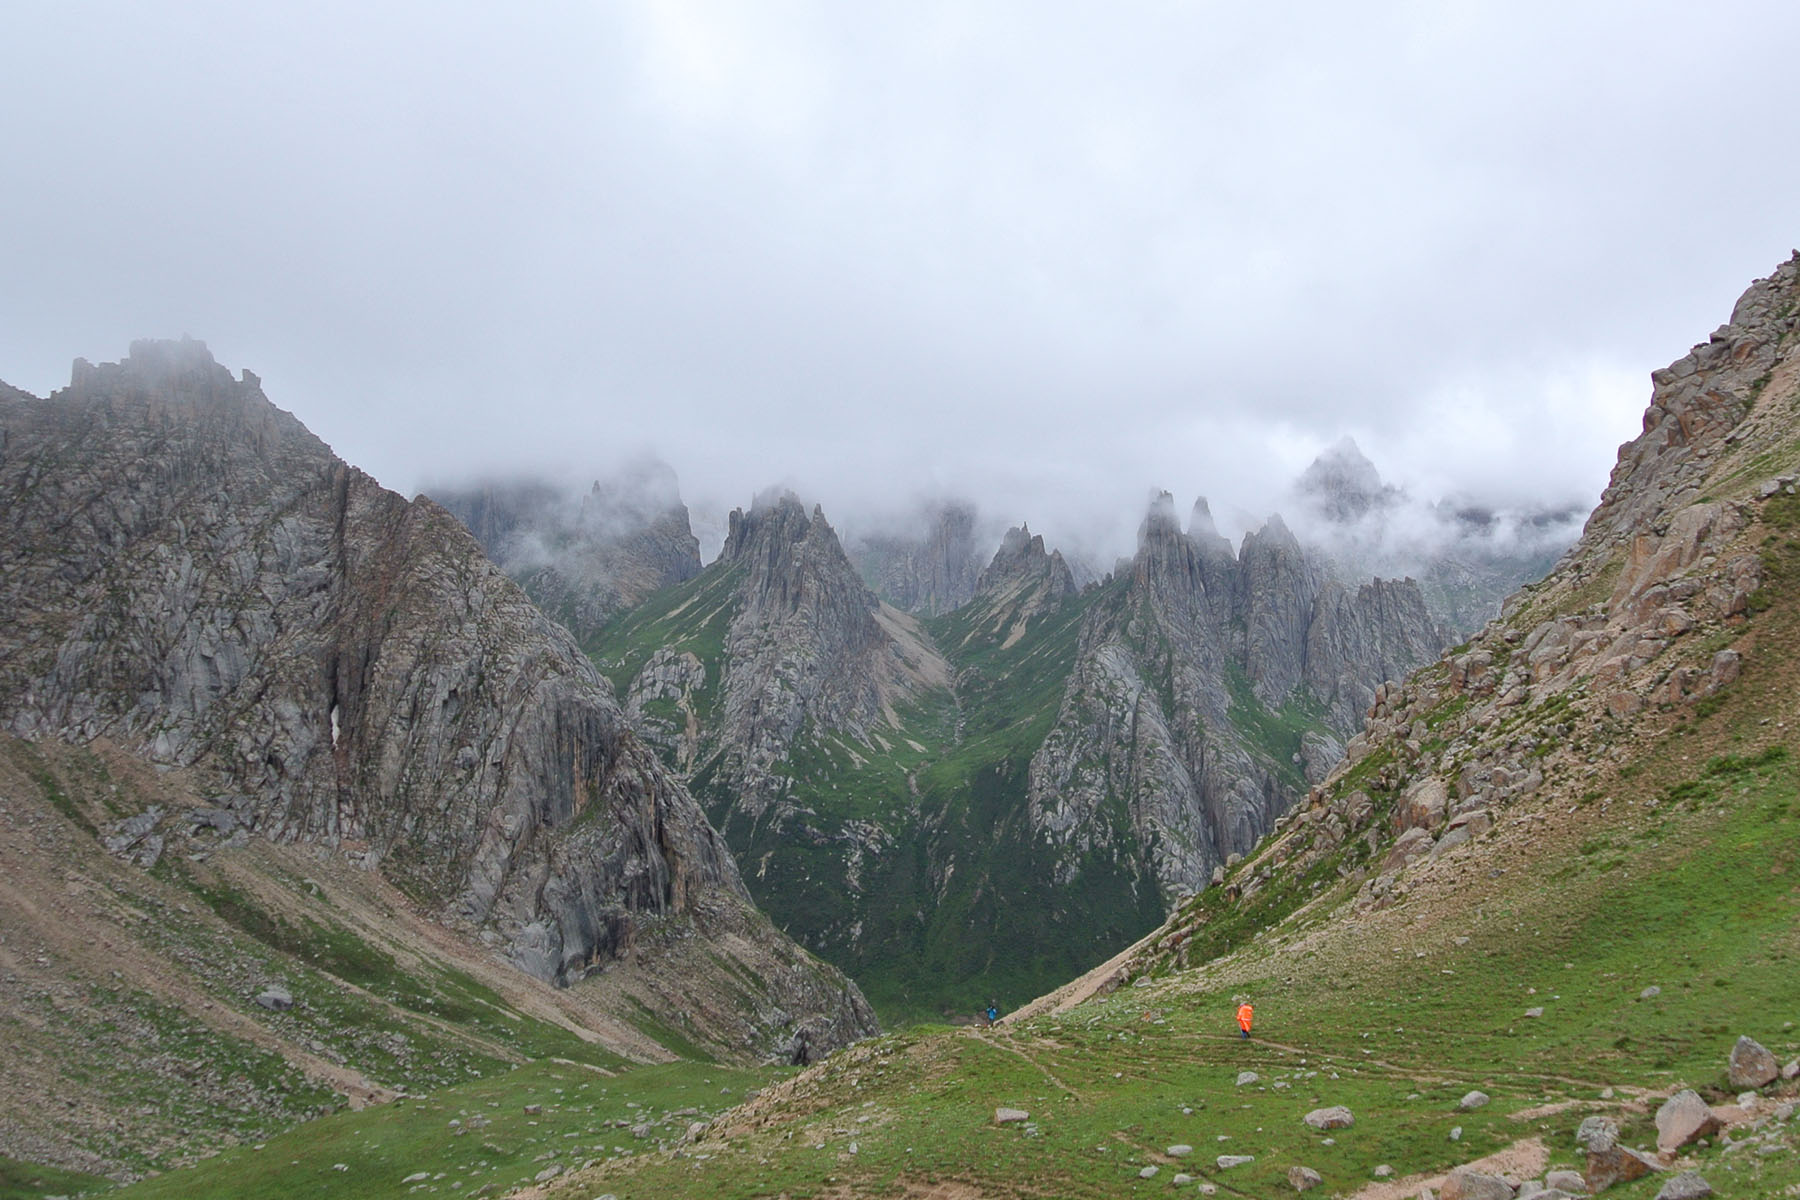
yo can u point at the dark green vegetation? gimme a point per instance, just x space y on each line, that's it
24 1181
1704 907
953 902
475 1139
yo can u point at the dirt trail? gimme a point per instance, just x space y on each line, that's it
1041 1068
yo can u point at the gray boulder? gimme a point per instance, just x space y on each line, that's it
1227 1161
1686 1186
1466 1184
1303 1178
1616 1164
1007 1116
1335 1117
1566 1181
1751 1066
1472 1101
275 998
1596 1134
1683 1118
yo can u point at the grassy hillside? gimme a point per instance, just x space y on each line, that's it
1677 871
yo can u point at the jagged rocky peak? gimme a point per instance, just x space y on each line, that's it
795 561
1203 531
1022 562
194 576
1342 484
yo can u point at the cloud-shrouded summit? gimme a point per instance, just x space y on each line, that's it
1043 258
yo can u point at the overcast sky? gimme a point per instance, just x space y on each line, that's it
1048 255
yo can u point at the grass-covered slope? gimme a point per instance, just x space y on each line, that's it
903 856
1559 867
135 1040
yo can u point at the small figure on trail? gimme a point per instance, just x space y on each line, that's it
993 1012
1244 1014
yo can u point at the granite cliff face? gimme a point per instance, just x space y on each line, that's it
584 561
191 574
1207 693
928 573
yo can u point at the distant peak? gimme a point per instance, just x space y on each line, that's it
1022 557
1342 484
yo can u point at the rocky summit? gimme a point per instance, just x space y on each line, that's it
195 578
1043 768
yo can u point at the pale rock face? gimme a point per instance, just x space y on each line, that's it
1684 1117
1148 714
932 571
193 574
809 644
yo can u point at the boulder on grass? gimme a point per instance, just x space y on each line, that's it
1616 1164
1751 1066
1466 1184
1304 1178
1686 1186
1335 1117
1683 1118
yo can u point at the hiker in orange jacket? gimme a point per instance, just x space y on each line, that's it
1244 1013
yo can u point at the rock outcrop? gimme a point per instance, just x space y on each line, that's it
808 647
192 574
1203 692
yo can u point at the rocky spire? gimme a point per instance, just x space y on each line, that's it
1022 563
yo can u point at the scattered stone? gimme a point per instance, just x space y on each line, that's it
1792 1070
1456 1133
1148 1172
1179 1150
1683 1118
548 1173
1746 1099
275 998
532 1110
1473 1101
1227 1161
1566 1181
1650 993
1596 1133
695 1129
1752 1066
417 1177
1534 1012
1247 1077
1303 1178
1006 1116
1182 1180
1686 1186
1335 1117
1383 1171
1616 1164
1465 1184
